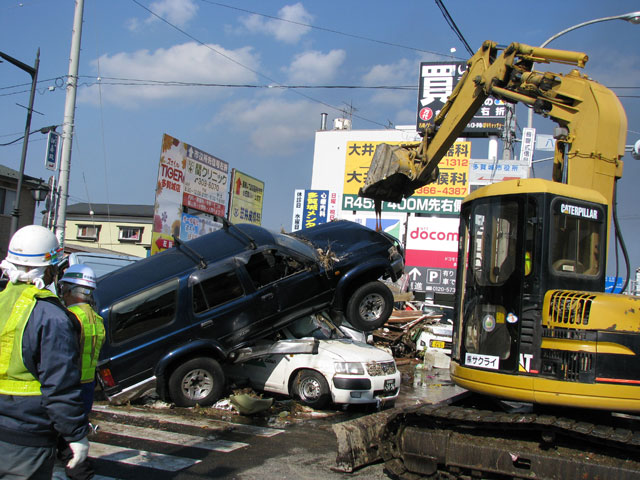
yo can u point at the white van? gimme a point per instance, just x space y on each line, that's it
315 362
101 263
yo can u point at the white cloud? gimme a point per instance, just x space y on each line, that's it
188 62
404 72
178 12
314 67
277 127
286 32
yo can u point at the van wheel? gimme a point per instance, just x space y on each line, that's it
370 306
311 388
199 381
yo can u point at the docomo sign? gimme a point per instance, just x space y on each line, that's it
432 242
424 234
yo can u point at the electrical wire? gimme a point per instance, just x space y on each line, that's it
240 64
329 30
453 26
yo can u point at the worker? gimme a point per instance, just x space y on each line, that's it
76 289
40 393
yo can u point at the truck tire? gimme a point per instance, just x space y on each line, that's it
370 306
198 381
311 388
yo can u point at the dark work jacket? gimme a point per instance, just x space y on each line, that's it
50 351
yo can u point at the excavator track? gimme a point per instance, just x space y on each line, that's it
444 441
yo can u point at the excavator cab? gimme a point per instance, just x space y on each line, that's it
518 240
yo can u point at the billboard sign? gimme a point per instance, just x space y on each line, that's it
206 181
311 208
246 199
431 254
528 144
187 177
51 157
444 197
437 81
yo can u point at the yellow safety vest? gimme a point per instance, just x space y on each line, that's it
16 304
91 339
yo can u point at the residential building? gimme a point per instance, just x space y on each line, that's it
124 229
8 187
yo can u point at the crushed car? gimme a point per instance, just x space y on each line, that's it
313 361
172 319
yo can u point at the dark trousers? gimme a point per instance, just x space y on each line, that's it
82 471
21 462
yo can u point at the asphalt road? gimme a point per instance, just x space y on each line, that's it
287 442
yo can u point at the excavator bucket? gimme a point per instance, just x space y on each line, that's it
359 440
391 175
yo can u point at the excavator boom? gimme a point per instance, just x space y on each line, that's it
592 123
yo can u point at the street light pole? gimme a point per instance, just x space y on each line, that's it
33 71
631 17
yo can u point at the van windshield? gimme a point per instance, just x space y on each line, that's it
317 326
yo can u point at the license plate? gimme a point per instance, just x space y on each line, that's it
436 344
389 385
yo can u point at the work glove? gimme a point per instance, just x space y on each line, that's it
80 451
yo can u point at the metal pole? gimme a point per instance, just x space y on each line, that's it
15 215
632 17
68 125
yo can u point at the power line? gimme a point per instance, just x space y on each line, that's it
240 64
324 29
453 26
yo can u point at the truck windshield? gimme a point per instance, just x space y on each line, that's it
296 245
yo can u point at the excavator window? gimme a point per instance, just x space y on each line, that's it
577 233
495 232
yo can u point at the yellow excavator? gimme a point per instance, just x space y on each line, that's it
531 320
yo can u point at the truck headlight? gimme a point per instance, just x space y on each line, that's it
349 368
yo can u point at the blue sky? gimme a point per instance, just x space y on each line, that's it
266 132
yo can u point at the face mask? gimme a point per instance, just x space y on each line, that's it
33 276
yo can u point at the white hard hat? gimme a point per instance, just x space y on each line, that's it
80 274
34 246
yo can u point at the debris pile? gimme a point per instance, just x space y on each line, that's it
417 333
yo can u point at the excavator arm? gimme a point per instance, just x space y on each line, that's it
591 122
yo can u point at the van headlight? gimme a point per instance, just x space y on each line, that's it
349 368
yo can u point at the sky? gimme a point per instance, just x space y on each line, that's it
236 64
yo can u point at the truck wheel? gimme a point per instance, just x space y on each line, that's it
197 381
370 306
311 388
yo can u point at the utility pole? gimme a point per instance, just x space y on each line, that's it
33 71
509 133
68 123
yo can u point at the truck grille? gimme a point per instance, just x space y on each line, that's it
377 369
569 308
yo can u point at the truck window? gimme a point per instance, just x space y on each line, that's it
143 312
270 266
216 290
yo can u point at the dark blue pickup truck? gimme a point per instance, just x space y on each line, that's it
172 319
